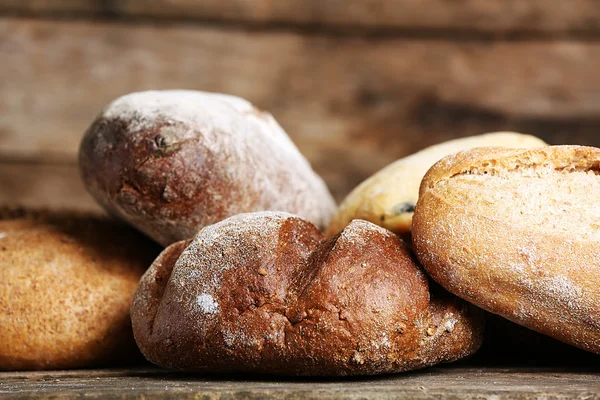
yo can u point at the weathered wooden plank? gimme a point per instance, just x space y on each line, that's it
434 383
351 104
44 186
492 16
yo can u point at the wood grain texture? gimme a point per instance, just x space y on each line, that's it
351 104
492 16
434 383
44 186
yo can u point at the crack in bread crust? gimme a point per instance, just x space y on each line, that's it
264 292
504 162
517 232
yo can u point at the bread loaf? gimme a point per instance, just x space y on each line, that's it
171 162
517 232
66 284
262 292
389 196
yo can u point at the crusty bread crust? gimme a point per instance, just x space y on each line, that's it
262 292
388 197
66 283
171 162
517 232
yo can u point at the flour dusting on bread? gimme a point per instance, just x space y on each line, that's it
207 303
172 162
517 232
264 292
194 109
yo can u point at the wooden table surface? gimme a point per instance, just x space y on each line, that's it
454 382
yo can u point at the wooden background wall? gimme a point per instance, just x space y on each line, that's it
356 83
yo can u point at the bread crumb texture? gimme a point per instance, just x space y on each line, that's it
517 232
263 292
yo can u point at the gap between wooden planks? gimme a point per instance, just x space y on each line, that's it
497 17
352 105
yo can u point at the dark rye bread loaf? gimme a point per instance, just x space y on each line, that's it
66 284
517 232
171 162
263 292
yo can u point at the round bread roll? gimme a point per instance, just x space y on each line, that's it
262 292
517 232
66 284
171 162
388 197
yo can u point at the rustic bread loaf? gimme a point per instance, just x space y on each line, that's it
66 284
171 162
262 292
389 196
517 232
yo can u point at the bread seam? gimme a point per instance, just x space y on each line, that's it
516 163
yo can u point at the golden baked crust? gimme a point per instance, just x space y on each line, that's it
388 197
517 232
262 292
66 283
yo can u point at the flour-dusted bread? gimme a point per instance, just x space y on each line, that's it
388 197
171 162
262 292
66 284
517 232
